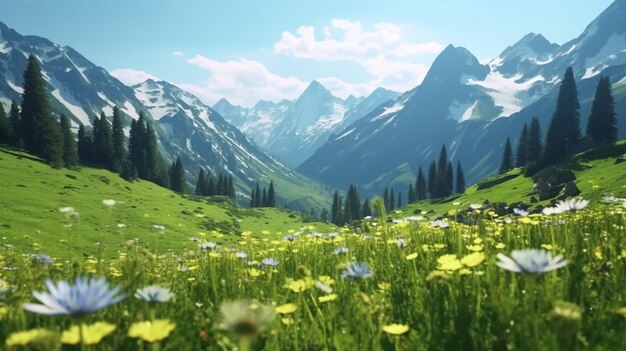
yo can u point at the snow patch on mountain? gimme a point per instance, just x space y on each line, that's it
469 112
506 92
130 110
18 89
80 70
72 106
5 48
615 43
398 106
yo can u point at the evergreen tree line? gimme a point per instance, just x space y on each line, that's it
34 127
209 185
439 182
263 198
564 136
348 210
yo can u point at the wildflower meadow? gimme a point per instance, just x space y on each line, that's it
547 281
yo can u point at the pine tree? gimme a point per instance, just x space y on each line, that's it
352 206
162 175
347 206
399 200
264 197
564 131
449 179
335 211
411 193
460 179
441 182
84 145
14 119
602 125
392 200
252 198
177 176
366 210
128 172
170 169
230 188
507 157
420 185
70 151
200 183
40 131
6 133
117 139
154 161
219 184
136 150
535 145
432 180
102 141
522 148
271 195
258 201
210 182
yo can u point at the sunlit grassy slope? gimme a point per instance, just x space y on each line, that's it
32 193
597 175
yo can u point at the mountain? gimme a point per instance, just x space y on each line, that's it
77 87
208 139
184 126
293 130
473 108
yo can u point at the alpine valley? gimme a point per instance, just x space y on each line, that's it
375 142
473 107
184 125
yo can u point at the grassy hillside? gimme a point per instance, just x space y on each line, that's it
33 193
597 175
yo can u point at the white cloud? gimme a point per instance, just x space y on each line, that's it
384 52
242 81
131 76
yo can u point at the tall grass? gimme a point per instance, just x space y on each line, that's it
474 306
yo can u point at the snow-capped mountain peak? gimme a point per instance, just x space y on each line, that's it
532 47
453 65
293 130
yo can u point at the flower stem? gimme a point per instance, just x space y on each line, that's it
245 344
81 335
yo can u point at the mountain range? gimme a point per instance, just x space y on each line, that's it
473 107
375 141
184 125
294 130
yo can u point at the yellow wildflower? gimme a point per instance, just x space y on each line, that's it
151 331
411 256
449 263
26 337
473 259
92 333
287 308
396 329
474 248
326 279
327 298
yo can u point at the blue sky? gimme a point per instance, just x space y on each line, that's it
251 50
